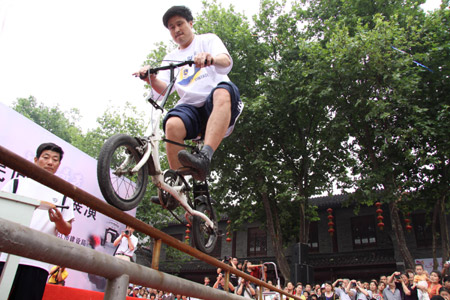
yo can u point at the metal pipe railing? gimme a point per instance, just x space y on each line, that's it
26 242
27 168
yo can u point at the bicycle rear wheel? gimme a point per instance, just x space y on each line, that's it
120 186
205 238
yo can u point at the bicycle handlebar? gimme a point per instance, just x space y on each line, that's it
171 66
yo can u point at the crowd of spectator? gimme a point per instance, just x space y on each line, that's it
415 284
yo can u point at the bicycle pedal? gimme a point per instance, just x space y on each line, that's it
184 171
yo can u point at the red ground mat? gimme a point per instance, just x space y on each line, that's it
56 292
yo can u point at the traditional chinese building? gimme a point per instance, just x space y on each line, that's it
357 248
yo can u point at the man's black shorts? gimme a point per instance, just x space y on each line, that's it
195 118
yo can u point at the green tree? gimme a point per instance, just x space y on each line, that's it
283 149
60 123
375 96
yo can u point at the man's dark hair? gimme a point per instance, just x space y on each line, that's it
49 146
180 10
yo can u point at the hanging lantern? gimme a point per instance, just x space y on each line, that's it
379 217
228 231
408 223
188 231
330 221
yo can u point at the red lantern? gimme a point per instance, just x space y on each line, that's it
408 224
228 231
330 221
186 238
379 217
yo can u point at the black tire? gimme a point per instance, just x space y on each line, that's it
125 190
205 238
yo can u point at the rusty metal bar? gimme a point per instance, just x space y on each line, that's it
227 281
27 168
26 242
156 254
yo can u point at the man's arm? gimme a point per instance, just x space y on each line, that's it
239 290
55 216
391 278
336 282
157 84
230 286
362 289
118 239
405 289
252 290
216 285
130 244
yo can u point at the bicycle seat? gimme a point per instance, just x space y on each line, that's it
198 139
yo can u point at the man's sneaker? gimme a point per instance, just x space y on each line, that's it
199 162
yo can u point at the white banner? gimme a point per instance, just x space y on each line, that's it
90 228
428 263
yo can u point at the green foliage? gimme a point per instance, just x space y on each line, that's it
62 124
114 120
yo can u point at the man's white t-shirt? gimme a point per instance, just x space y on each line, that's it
123 246
194 84
40 220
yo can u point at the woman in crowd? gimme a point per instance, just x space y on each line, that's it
373 287
435 283
328 292
381 287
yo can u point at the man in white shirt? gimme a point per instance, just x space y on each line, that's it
128 243
31 277
209 102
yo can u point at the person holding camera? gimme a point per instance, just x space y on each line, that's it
128 243
220 283
392 292
344 289
245 289
232 261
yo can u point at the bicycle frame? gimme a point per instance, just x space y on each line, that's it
153 137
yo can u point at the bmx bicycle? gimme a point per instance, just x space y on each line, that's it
126 162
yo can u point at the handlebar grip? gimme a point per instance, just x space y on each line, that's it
143 76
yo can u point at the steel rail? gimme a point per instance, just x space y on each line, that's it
26 242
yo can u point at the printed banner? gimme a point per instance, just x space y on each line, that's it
428 263
90 228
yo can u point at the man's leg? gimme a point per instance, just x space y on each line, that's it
175 131
219 120
216 128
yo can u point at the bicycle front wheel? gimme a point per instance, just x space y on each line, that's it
120 186
205 238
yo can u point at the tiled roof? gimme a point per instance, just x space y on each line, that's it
329 201
355 258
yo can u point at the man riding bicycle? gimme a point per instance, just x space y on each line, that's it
209 102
